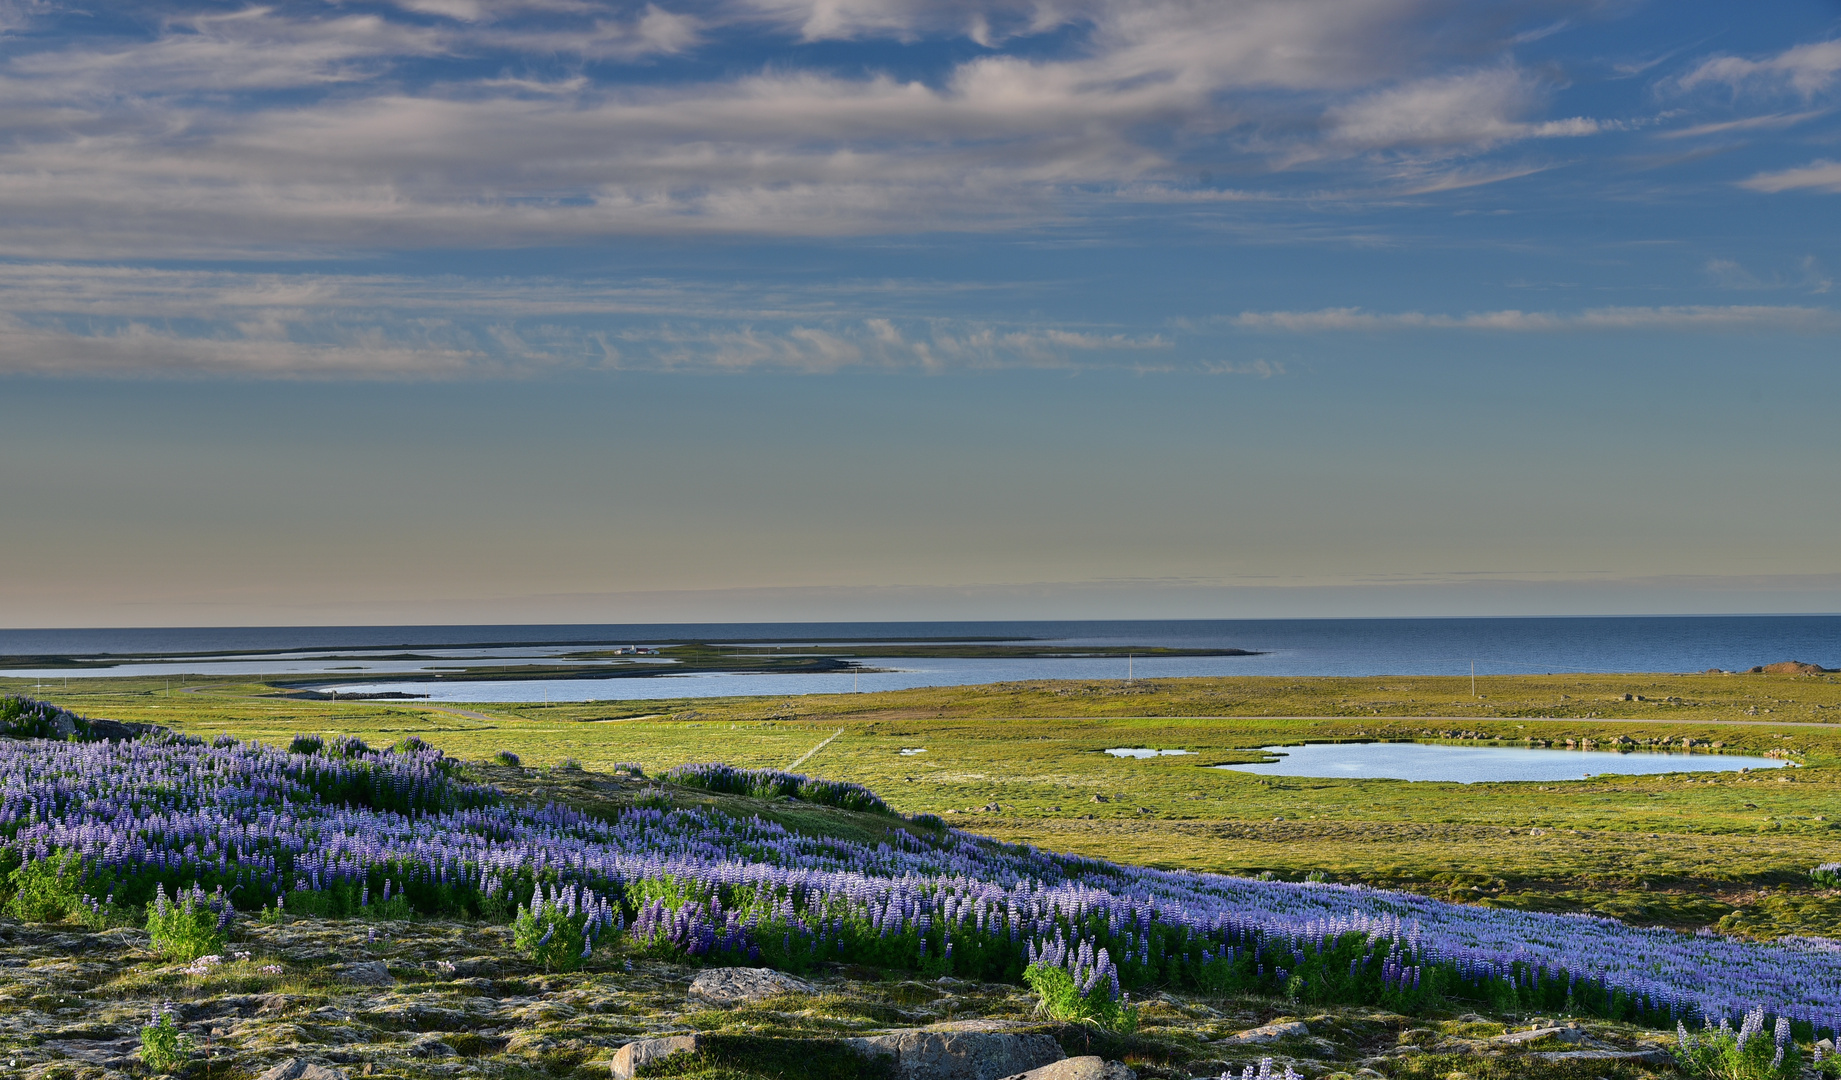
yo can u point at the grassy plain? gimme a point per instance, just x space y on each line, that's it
1022 762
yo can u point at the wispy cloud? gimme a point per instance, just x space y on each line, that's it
1474 109
1735 318
264 129
1769 121
100 320
1816 176
1806 69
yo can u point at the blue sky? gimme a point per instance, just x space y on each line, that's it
555 309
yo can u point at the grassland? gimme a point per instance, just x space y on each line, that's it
1023 762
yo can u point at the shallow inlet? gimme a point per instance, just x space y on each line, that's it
1481 764
1145 751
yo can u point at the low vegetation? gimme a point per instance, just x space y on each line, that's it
1729 852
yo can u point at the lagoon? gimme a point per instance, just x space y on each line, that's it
1481 764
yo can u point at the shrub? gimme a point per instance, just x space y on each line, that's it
558 929
569 764
164 1048
1746 1054
506 757
773 783
306 744
928 821
347 746
196 925
1827 875
631 768
412 744
1059 996
50 890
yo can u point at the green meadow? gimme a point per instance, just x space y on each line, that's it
1023 762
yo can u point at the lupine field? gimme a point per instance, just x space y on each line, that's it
334 827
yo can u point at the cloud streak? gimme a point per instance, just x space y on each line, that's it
1735 318
273 128
89 321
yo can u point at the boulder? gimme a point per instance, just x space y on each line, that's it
1267 1033
301 1069
960 1052
1079 1068
636 1055
366 973
738 986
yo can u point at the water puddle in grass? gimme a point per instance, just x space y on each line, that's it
910 751
1481 764
1144 752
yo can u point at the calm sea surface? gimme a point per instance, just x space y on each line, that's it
1288 647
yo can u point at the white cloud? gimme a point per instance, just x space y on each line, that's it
1681 318
153 146
1806 69
1816 176
1475 109
78 319
1751 123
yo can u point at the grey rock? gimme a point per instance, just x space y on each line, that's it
1655 1055
366 973
431 1046
737 986
108 1053
1519 1038
1268 1033
1079 1068
956 1053
635 1055
301 1069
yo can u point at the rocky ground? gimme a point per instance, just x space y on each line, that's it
310 999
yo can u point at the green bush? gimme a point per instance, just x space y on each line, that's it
196 925
164 1048
1059 997
50 890
506 757
558 929
1746 1054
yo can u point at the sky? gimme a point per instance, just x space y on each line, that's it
563 310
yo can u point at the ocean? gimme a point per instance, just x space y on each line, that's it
1293 647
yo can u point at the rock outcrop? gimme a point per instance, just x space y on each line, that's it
1079 1068
1268 1033
366 973
971 1051
301 1069
736 986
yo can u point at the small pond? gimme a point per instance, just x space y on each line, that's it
1478 764
1145 751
